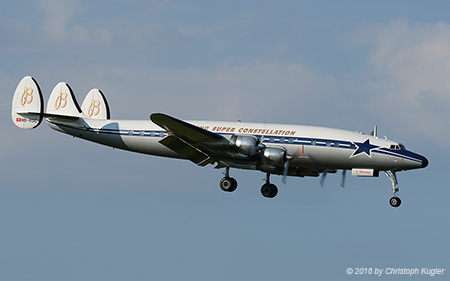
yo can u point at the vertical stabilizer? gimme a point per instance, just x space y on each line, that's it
95 105
62 102
27 104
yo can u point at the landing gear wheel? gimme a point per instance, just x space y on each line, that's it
395 202
269 190
228 184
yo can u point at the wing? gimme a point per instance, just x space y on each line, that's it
194 143
204 147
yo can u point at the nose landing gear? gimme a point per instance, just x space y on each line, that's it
395 201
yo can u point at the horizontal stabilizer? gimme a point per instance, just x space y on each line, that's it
46 115
27 104
95 105
61 117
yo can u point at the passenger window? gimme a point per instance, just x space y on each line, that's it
313 142
328 143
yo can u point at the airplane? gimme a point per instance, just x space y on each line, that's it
274 149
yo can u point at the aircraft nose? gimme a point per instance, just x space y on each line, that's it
424 162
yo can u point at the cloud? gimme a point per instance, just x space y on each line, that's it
253 91
59 25
412 63
56 17
146 64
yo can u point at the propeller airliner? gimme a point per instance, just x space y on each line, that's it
274 149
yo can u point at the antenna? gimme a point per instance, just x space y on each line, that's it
375 131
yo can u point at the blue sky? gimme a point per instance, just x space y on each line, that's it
73 210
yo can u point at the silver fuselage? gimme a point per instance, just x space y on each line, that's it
310 147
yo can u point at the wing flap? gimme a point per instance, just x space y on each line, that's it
186 150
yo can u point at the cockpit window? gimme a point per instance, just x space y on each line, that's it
398 146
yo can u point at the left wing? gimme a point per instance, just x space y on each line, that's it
194 143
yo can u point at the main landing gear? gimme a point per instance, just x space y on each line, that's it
229 184
395 200
269 190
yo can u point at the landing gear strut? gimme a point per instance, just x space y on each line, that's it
227 183
269 190
395 200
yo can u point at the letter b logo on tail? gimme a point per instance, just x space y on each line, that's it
27 96
61 100
94 108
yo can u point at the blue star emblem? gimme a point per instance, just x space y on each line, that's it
364 147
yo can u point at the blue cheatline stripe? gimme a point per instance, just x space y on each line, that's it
402 154
408 155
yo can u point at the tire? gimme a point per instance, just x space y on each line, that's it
395 202
228 184
269 190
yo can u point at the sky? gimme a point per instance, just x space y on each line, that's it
74 210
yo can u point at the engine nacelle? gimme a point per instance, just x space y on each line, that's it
276 156
249 145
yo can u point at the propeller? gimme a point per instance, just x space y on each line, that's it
286 168
344 172
325 173
323 177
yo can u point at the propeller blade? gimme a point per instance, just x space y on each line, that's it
285 170
344 172
323 177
